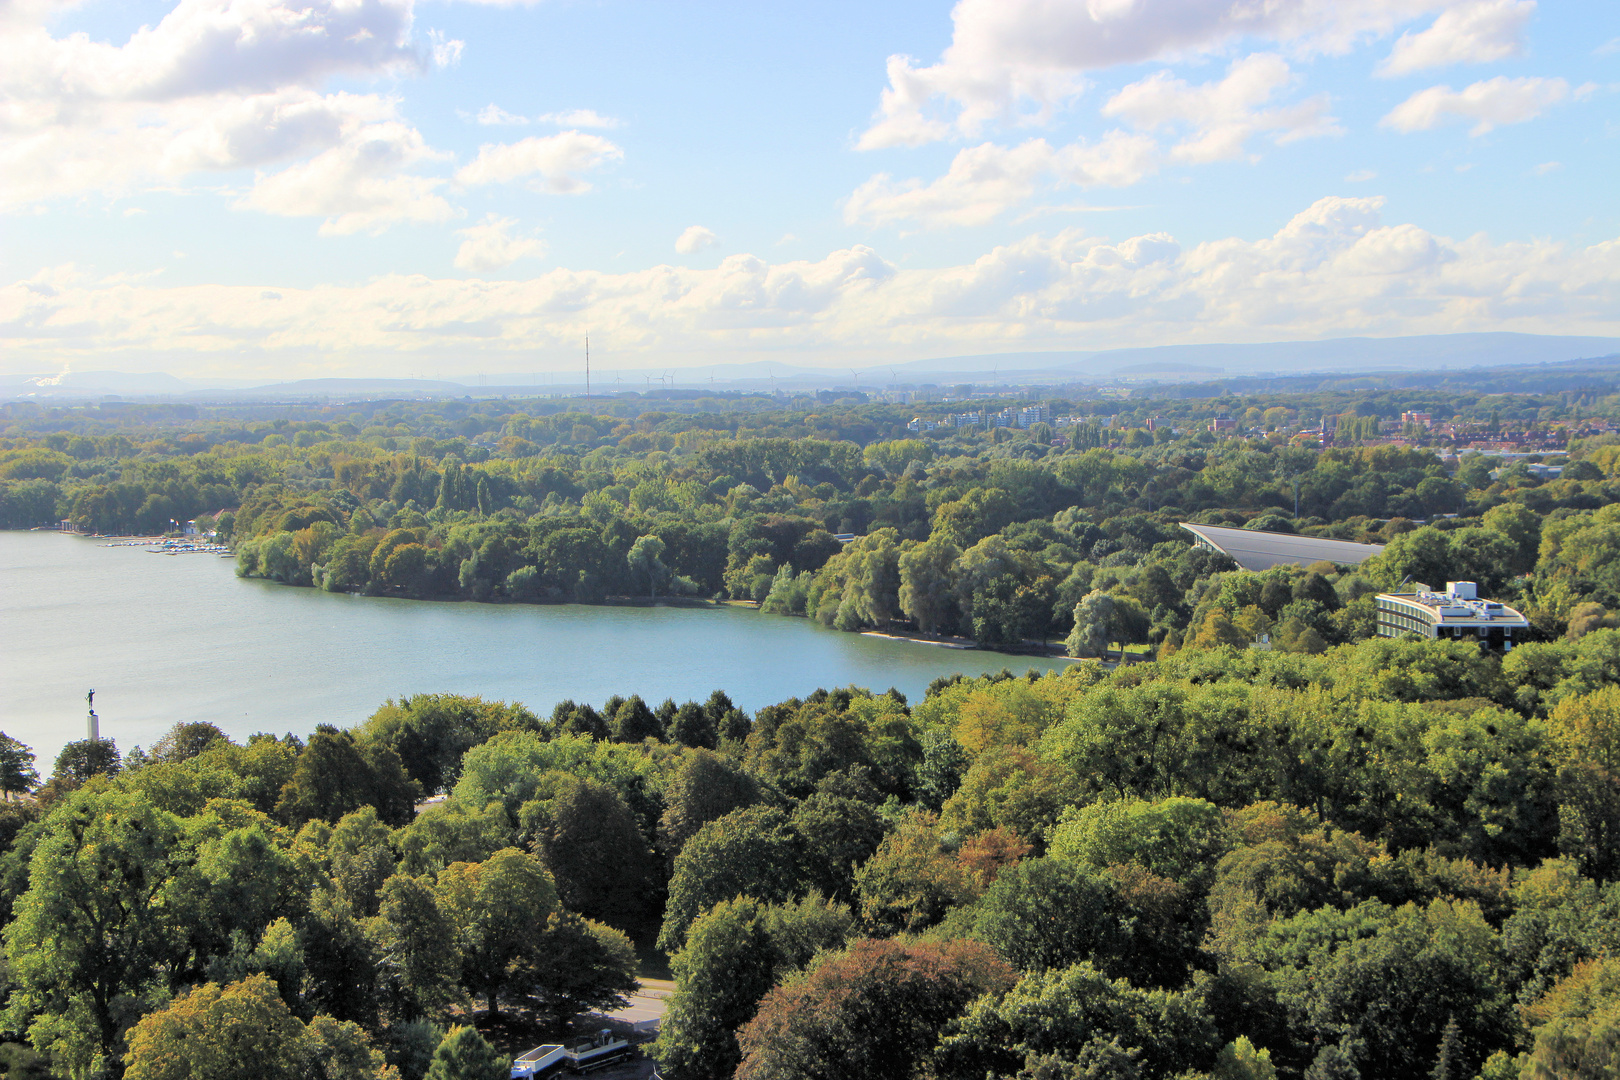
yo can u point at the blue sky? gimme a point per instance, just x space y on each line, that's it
353 187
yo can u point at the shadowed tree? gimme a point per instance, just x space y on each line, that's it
17 773
499 908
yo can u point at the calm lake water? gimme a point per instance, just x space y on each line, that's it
170 638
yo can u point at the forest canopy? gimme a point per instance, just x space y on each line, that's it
1373 859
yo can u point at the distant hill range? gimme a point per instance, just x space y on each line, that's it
1361 356
1486 363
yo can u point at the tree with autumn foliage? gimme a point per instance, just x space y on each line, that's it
873 1011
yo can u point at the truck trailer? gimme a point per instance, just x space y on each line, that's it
581 1055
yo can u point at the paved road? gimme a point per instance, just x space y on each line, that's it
646 1006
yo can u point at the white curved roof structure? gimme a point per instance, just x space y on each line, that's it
1255 550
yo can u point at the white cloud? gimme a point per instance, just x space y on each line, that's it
268 128
1490 104
1021 58
216 85
694 239
556 159
205 47
131 148
984 181
1361 176
1223 115
489 245
446 51
579 118
359 185
1471 33
1547 168
1335 268
493 115
1216 120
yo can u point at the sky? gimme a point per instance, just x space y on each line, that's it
434 188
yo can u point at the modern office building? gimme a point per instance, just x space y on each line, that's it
1457 613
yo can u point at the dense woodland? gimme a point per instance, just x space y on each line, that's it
1390 859
1340 857
994 535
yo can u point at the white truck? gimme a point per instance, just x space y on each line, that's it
581 1055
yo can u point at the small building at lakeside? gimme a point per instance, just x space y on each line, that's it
1458 613
1255 550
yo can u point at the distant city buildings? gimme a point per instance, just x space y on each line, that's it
1010 417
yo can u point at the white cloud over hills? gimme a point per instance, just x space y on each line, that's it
1335 268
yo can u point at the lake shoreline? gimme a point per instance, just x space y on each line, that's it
167 640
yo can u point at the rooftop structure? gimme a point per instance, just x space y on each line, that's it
1457 613
1255 550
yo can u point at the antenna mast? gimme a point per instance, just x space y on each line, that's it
587 365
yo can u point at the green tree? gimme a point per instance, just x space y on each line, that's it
753 851
500 908
17 773
81 760
463 1054
243 1031
335 775
96 922
579 965
1093 625
840 828
704 787
362 856
925 582
1448 1059
1177 838
1072 1014
418 950
633 721
1390 979
431 733
1335 1062
1577 1026
912 880
1240 1060
646 561
728 963
453 831
590 843
340 961
185 741
1585 732
1048 913
693 726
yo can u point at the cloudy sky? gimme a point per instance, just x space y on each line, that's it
411 187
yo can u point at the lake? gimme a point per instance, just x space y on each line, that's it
166 638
